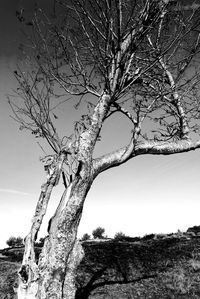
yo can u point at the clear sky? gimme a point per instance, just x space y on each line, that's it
149 194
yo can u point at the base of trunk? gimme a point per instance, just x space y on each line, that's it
27 291
75 258
52 285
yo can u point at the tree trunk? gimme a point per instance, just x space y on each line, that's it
55 283
29 273
54 275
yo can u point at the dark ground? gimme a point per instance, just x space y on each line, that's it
156 266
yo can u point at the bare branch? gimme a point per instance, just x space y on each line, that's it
116 158
125 112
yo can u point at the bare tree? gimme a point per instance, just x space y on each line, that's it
137 58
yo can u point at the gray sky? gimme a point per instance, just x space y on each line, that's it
149 194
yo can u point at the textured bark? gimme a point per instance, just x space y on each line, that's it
62 253
29 274
54 275
75 258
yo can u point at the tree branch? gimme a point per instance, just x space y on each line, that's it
125 112
120 156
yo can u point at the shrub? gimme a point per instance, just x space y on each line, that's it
177 281
195 264
85 237
98 233
195 229
195 261
148 237
14 242
120 236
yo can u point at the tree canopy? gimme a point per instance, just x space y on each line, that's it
143 55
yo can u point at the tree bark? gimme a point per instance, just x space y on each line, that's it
54 275
62 253
28 273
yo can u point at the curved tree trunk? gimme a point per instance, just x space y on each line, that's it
62 253
29 273
54 275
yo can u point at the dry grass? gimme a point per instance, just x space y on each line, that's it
8 279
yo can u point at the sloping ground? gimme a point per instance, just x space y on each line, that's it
158 268
163 268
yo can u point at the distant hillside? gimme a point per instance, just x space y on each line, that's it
156 266
164 267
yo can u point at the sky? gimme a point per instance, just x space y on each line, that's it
149 194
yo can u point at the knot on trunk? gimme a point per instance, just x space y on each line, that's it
23 272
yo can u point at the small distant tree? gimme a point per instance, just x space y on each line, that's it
148 237
119 236
14 242
11 241
98 233
85 237
19 241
